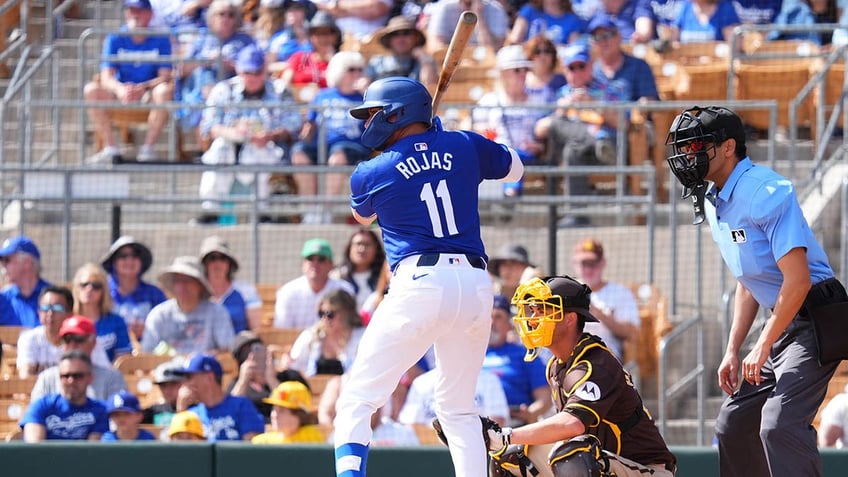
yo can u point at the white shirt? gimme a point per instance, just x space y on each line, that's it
835 413
420 406
297 304
617 301
35 348
306 350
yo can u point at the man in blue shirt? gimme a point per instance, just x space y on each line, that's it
424 189
132 81
70 414
764 427
21 262
224 417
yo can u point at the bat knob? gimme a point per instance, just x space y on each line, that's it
468 17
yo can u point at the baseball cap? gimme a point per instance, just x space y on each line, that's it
576 53
290 395
166 373
186 421
123 401
601 21
317 246
200 363
77 325
576 296
512 57
20 243
250 60
145 4
589 249
501 302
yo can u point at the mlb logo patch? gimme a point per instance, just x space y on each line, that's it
420 146
738 236
455 261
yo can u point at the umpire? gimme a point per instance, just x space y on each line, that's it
764 427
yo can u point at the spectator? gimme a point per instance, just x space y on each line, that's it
297 300
502 117
188 323
358 18
168 383
239 297
78 334
183 16
224 417
290 417
95 303
132 82
806 12
256 374
407 56
248 136
511 266
21 262
623 71
544 78
271 20
757 12
553 19
490 32
524 383
126 262
633 18
294 36
186 426
309 66
343 144
612 304
68 414
363 267
328 346
125 413
666 12
214 56
834 421
420 402
705 20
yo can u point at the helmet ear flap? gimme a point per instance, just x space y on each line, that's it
378 130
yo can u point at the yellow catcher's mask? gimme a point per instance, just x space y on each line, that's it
541 303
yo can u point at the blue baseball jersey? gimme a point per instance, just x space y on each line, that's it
112 335
757 11
230 420
123 46
519 378
692 30
444 168
340 125
63 420
755 220
25 307
8 317
137 304
143 435
557 28
237 308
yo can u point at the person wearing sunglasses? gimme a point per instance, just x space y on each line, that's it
298 299
126 261
239 297
614 65
93 300
328 346
405 56
544 78
634 19
69 413
21 261
553 19
41 347
78 334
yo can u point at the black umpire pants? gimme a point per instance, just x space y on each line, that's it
767 430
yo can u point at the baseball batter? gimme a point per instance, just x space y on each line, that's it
423 187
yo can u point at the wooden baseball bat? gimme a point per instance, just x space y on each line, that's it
464 28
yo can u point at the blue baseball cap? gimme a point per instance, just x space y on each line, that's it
502 303
200 363
576 53
145 4
123 401
20 243
250 60
601 21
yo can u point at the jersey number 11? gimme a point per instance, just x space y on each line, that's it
443 194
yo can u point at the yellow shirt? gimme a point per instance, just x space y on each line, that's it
305 434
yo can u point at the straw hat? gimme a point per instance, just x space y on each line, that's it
188 266
397 24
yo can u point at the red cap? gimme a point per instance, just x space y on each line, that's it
77 325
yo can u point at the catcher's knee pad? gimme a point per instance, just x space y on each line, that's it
520 461
579 457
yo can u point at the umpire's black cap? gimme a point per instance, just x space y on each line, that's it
576 296
722 122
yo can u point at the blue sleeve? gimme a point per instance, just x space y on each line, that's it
122 336
496 159
165 50
249 418
643 10
776 211
8 317
109 49
360 199
528 12
536 373
35 413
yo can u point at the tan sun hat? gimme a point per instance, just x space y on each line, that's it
188 266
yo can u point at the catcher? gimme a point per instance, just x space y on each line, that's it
601 427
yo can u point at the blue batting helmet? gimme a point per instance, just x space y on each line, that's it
406 98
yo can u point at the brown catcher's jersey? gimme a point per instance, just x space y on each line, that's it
594 388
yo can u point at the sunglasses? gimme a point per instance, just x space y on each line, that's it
127 255
74 339
355 69
329 314
74 376
520 71
216 256
544 51
604 35
55 308
93 285
589 263
577 67
317 258
228 14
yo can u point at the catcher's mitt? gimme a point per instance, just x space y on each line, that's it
486 426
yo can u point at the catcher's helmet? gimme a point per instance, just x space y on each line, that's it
693 136
541 303
406 98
